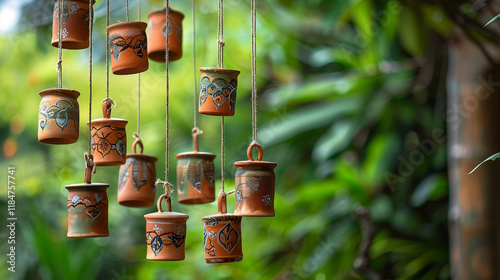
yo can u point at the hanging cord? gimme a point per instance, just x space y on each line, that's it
139 85
90 166
220 35
107 49
195 100
254 72
166 184
128 18
222 154
60 26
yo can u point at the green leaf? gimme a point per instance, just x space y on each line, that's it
497 16
492 158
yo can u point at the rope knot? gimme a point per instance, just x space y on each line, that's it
89 162
137 136
109 101
221 43
166 185
196 130
59 66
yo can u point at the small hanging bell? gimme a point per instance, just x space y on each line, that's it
165 233
195 176
255 186
136 182
87 209
75 24
158 32
59 116
109 139
222 235
218 91
128 45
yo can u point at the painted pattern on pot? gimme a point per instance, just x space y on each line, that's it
128 45
222 238
75 24
165 234
87 210
136 182
158 32
255 186
218 91
195 178
58 116
109 139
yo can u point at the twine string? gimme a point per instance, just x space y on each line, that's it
107 49
222 154
126 4
139 84
91 26
220 35
195 101
60 26
167 113
254 72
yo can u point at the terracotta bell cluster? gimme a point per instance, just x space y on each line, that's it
130 49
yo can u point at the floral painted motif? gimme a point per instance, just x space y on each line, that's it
118 44
103 145
62 112
92 204
220 90
158 240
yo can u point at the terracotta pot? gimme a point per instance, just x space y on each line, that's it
195 176
109 139
58 116
218 91
222 236
165 233
158 32
255 188
128 45
87 210
136 183
75 23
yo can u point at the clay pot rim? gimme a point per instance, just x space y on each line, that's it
142 156
219 70
164 12
256 164
103 120
166 214
195 154
82 1
227 215
74 93
139 24
85 185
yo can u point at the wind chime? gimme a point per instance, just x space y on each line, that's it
136 182
59 113
222 231
88 202
255 179
159 31
166 230
109 137
195 170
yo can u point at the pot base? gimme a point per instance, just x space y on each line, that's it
71 44
193 201
129 70
57 140
136 203
160 56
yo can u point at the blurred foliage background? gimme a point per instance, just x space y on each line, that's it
349 93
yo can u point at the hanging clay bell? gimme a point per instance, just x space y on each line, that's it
75 24
222 235
109 139
128 46
165 233
58 116
158 32
218 91
254 182
136 183
195 176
